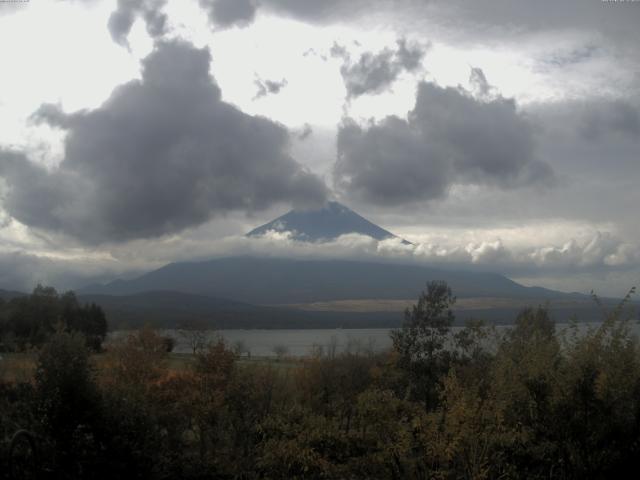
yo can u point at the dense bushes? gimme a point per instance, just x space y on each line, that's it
531 402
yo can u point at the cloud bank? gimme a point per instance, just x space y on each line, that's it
601 253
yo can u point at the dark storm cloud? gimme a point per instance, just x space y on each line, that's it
573 56
226 13
53 115
408 57
486 18
388 163
448 138
121 20
22 271
31 191
375 72
602 118
315 11
161 154
267 87
229 12
616 20
595 144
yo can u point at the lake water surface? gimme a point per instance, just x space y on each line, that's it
302 342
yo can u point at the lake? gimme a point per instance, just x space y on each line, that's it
303 342
296 342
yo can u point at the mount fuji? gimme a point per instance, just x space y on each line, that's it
270 292
324 224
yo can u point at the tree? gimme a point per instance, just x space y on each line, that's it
89 319
280 351
421 344
35 318
67 399
3 322
169 343
196 335
133 377
213 367
240 347
137 360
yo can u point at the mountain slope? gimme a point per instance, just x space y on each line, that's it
8 294
326 223
273 281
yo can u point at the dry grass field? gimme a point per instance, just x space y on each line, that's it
382 305
20 367
17 367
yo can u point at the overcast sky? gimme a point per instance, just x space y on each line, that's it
500 135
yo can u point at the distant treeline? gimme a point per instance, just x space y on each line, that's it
525 403
29 321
